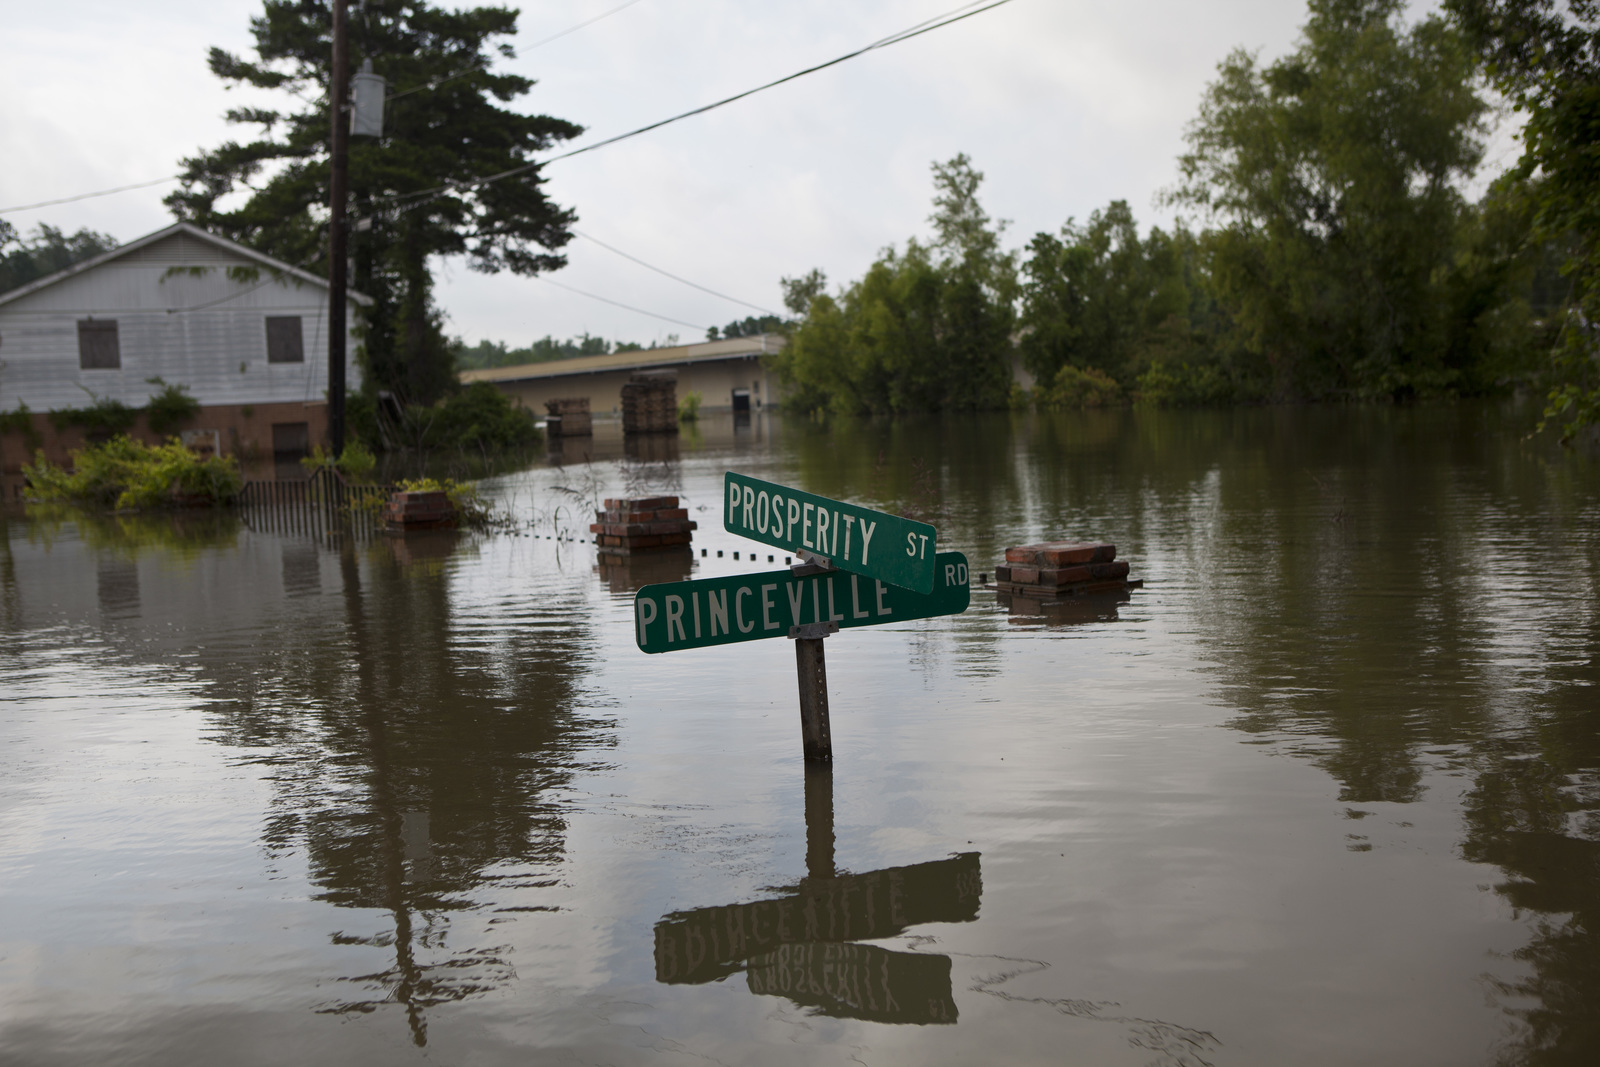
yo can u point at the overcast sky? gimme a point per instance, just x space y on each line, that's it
1065 105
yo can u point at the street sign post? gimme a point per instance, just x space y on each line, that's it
858 567
873 544
748 607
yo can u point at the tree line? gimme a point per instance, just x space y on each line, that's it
25 258
1326 250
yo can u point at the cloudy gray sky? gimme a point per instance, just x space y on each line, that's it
1064 104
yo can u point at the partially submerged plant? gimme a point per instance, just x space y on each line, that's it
356 462
125 473
471 508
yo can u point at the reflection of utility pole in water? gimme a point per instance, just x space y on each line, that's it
392 840
801 946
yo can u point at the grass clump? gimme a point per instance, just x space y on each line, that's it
125 473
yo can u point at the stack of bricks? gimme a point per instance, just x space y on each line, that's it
569 417
650 524
419 511
1054 570
650 404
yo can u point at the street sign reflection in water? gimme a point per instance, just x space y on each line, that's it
873 544
802 944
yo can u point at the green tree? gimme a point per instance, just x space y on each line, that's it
1333 175
927 329
487 354
444 130
1545 56
24 260
749 326
799 292
1098 297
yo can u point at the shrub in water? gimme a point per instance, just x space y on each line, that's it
1077 387
480 416
126 473
356 462
1183 384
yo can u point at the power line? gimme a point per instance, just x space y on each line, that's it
485 66
86 196
417 199
407 201
617 303
674 277
428 194
392 96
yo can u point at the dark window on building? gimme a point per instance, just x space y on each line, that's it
291 439
97 345
285 343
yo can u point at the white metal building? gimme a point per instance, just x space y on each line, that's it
245 333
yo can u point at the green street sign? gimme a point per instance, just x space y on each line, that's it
870 543
748 607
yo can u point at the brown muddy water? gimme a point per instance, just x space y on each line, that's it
1325 791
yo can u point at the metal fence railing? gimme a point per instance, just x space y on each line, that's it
320 504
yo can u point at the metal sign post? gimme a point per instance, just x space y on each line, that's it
810 665
814 598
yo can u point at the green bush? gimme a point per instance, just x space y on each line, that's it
170 408
361 420
105 417
20 420
1183 385
471 510
1077 387
356 462
125 473
479 416
689 408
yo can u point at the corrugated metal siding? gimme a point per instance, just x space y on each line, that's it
165 330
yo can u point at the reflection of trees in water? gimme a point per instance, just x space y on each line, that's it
1534 812
947 470
1421 596
411 761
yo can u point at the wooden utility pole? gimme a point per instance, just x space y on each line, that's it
338 256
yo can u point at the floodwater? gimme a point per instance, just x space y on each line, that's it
1326 790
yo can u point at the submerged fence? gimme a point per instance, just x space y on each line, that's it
323 503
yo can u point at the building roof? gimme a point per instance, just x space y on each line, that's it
639 359
209 245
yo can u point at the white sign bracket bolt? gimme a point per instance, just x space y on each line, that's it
810 563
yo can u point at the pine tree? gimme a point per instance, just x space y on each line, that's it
443 128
